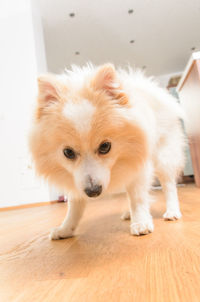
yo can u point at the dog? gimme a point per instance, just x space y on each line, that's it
100 130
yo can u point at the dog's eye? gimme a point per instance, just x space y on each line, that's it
104 148
69 153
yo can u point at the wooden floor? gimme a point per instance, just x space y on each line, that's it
103 262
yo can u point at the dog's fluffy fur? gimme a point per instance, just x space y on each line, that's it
87 106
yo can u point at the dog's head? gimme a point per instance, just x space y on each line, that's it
84 139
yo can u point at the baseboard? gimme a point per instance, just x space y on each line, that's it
30 205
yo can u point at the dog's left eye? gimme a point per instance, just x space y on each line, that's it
69 153
104 148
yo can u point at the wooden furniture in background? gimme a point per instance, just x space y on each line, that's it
189 94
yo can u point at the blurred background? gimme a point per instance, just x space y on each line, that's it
161 37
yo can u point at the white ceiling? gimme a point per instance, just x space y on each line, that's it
164 31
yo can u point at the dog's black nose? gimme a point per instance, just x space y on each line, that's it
93 191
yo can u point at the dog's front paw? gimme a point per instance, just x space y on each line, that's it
142 227
172 214
60 233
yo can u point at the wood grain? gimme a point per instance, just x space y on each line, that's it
103 262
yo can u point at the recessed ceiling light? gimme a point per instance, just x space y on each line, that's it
72 15
132 41
130 11
77 53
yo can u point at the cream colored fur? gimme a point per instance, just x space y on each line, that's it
142 122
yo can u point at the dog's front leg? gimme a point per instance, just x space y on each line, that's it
74 212
141 219
139 202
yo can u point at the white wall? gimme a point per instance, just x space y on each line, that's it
20 59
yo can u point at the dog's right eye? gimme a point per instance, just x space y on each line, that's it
104 148
69 153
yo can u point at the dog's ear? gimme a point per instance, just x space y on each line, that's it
106 80
50 90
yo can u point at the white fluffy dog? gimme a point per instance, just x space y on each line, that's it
98 130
